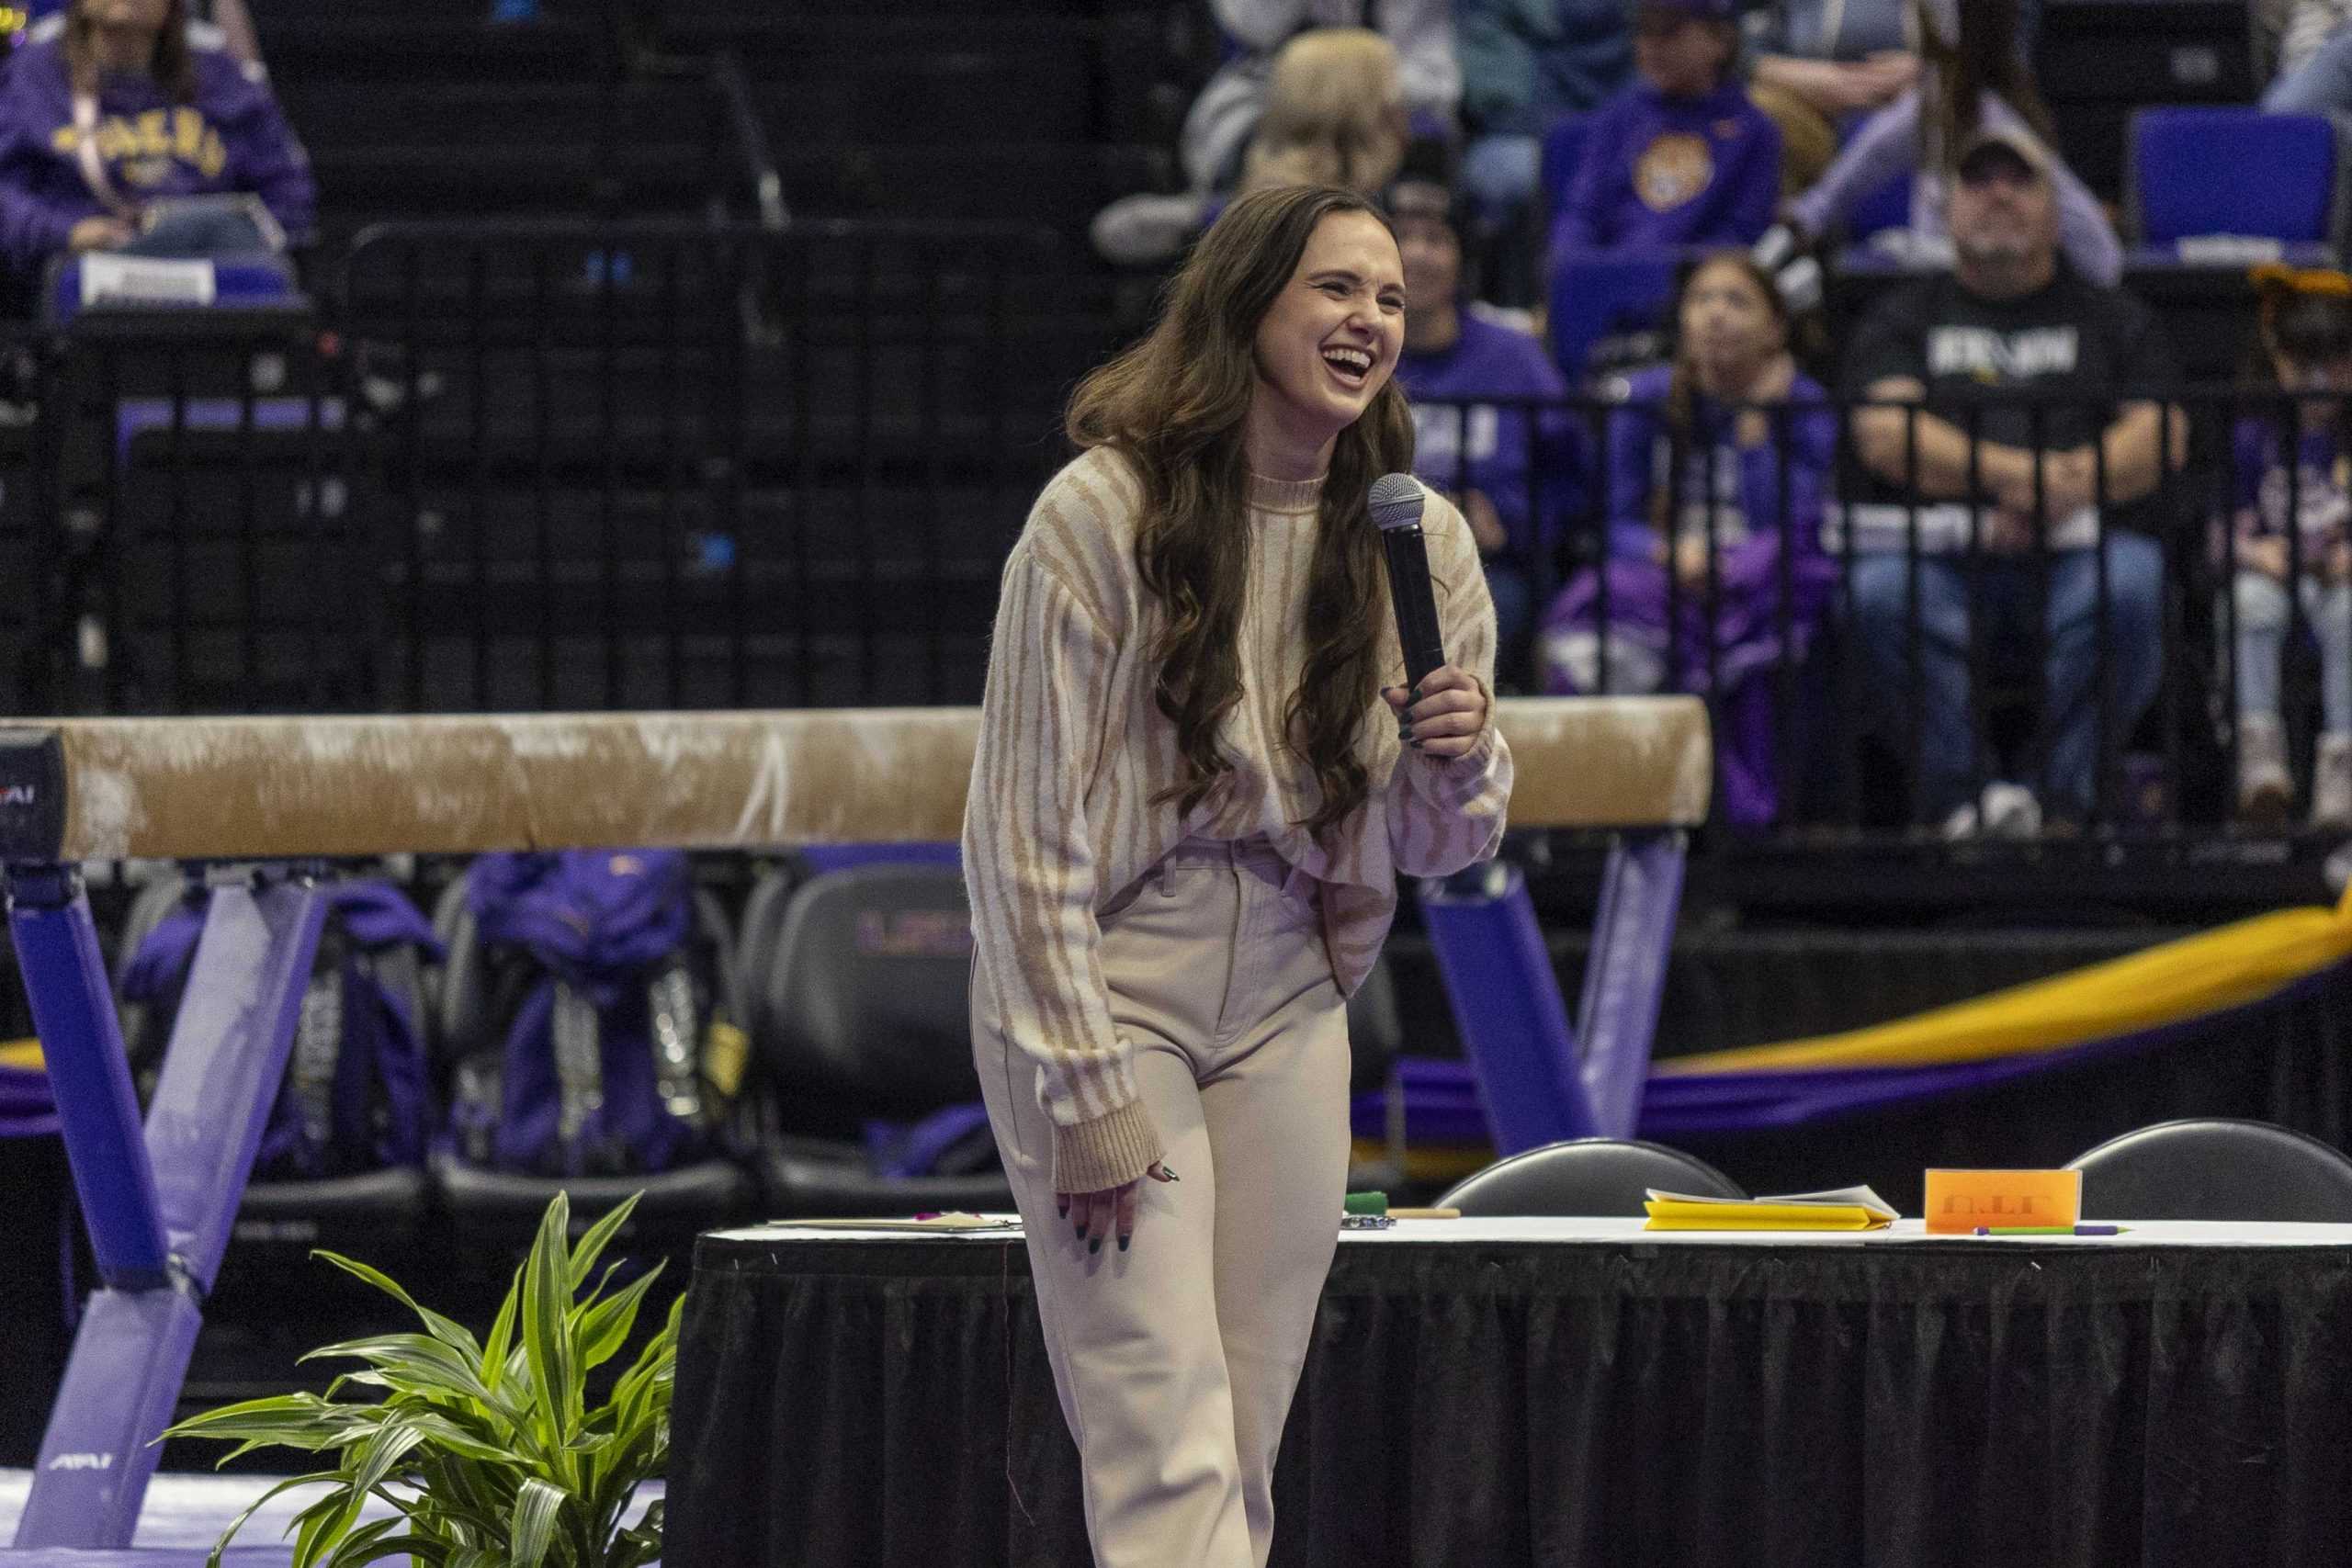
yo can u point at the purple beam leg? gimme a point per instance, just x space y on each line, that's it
226 1058
1625 978
1506 1007
97 1112
228 1053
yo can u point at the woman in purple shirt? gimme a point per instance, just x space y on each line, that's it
120 104
1717 468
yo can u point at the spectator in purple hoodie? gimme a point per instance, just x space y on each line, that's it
167 111
1680 157
1483 456
1718 466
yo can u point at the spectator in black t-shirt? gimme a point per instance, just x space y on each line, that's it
2022 448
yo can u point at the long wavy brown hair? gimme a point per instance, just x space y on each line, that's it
173 67
1987 53
1174 405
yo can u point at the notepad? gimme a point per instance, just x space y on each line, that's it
1847 1209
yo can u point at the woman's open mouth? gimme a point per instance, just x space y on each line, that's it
1352 368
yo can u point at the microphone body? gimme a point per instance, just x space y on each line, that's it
1397 503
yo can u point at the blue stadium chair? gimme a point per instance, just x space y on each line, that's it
1889 207
1562 146
1595 295
2204 170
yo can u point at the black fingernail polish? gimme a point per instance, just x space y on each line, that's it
1415 695
1406 733
1079 1231
1095 1245
1123 1243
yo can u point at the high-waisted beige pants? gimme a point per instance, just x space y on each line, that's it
1176 1360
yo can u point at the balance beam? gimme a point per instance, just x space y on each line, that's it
294 788
269 796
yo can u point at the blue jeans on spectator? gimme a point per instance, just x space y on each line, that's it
2003 591
2321 84
2263 619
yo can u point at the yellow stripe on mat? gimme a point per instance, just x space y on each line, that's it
2209 973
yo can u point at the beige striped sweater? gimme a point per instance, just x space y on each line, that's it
1072 751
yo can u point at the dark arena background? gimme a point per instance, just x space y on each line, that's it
502 441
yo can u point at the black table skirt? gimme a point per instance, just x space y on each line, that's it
889 1402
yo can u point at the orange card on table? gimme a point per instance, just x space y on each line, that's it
1959 1201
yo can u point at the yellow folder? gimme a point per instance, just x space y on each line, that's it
1849 1209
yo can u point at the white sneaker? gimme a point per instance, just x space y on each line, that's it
1962 823
2266 789
2332 783
2011 812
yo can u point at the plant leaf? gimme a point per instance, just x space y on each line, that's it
423 1549
354 1548
321 1477
368 1467
555 1384
494 1351
295 1420
605 1327
448 1435
454 1334
592 1246
536 1506
421 1364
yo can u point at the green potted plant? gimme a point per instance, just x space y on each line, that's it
487 1449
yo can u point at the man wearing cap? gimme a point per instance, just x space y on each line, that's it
1484 455
1680 157
2010 471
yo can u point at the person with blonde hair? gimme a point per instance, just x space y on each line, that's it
1198 777
1222 127
1335 114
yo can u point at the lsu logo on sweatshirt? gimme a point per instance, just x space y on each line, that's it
140 149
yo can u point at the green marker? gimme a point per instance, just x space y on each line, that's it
2052 1230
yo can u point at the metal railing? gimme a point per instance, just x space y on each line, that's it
1881 652
546 466
594 466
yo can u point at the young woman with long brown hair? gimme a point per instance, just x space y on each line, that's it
1188 814
117 108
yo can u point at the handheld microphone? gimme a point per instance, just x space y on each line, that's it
1397 502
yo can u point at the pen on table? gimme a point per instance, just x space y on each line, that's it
2052 1230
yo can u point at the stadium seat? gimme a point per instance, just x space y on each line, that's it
504 1206
1595 296
2212 170
1587 1176
858 1014
1889 207
1562 146
2216 1169
380 1213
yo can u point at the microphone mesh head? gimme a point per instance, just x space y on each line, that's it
1397 501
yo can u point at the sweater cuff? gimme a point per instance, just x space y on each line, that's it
1109 1151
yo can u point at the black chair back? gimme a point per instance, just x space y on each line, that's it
2216 1169
864 997
1605 1177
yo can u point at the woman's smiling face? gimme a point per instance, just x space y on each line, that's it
1329 341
